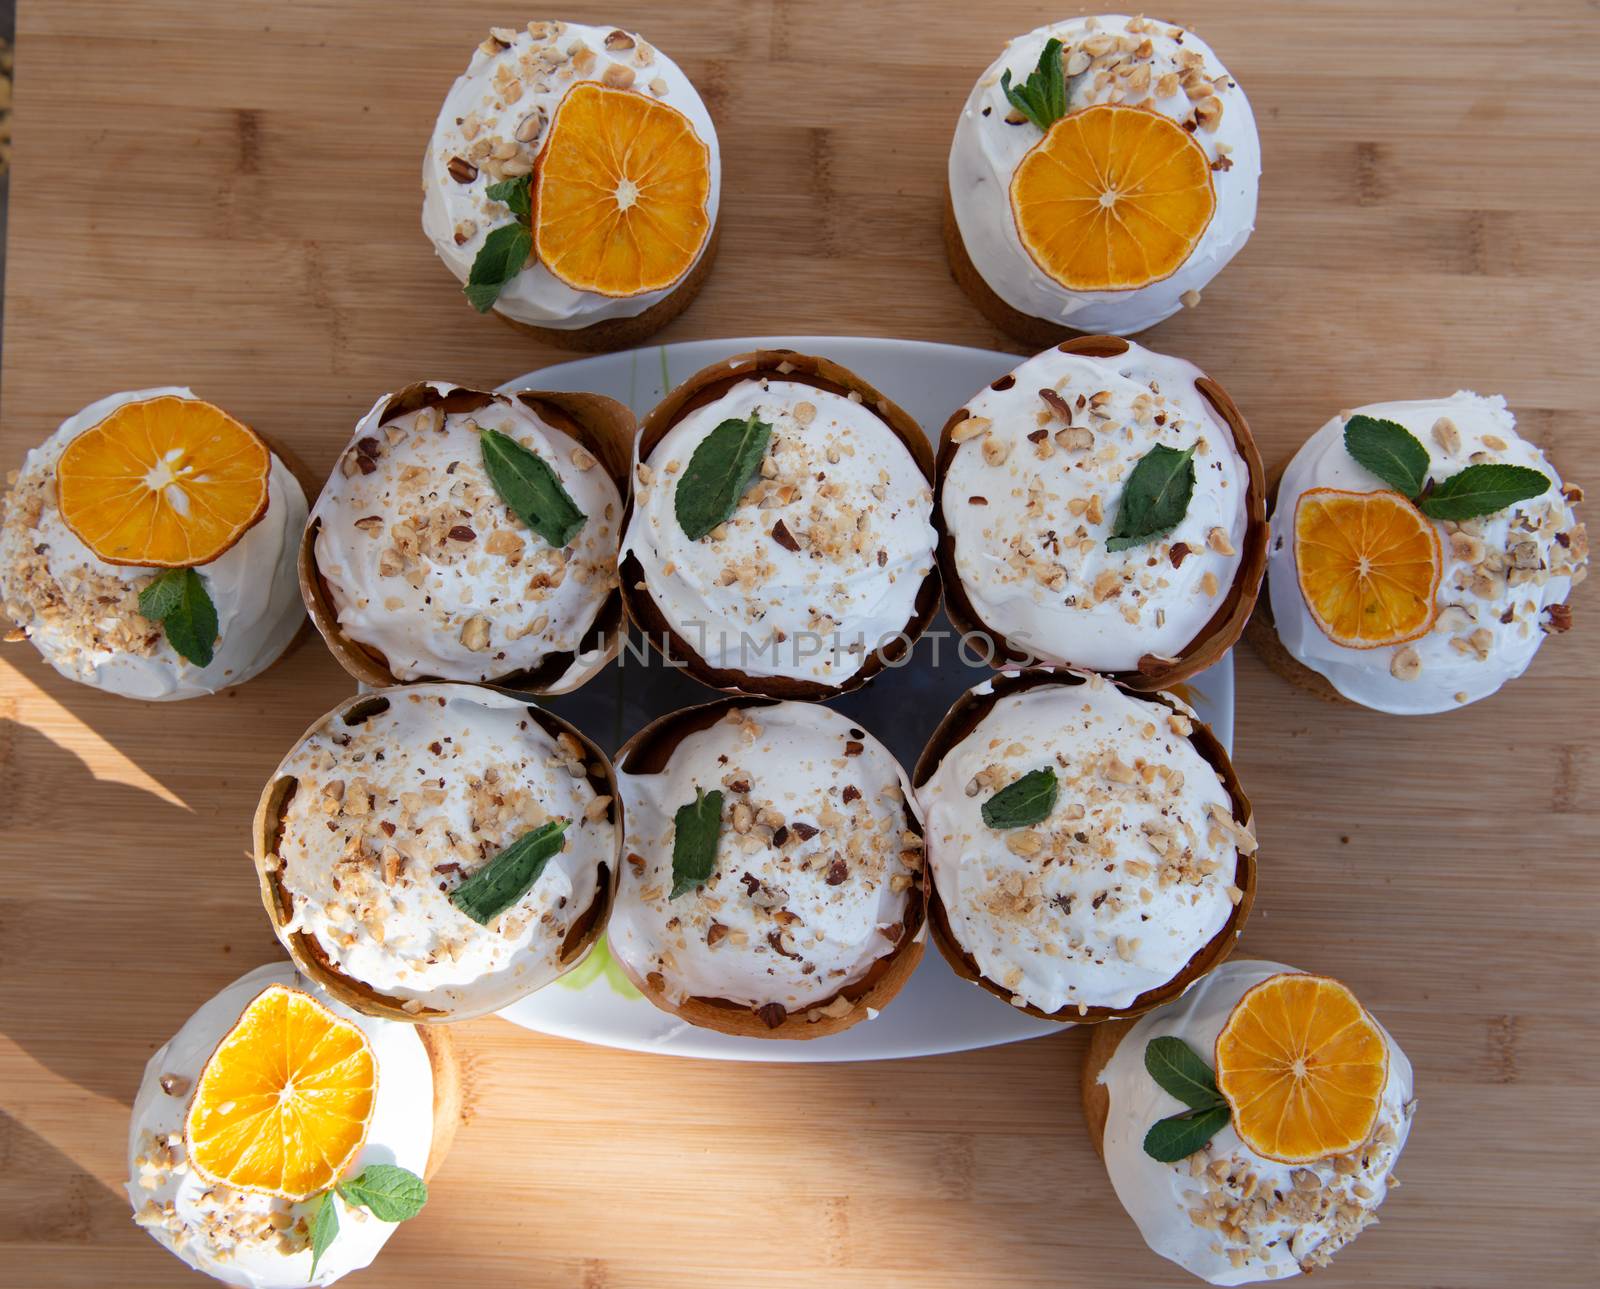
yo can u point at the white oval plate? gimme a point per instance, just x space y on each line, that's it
937 1011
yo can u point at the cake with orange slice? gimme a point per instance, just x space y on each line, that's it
435 852
1422 552
279 1137
572 183
1103 171
472 536
1090 848
147 547
1103 506
1251 1127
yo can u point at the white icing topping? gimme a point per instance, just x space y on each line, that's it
1121 885
812 861
426 563
986 151
1517 562
484 110
244 1237
1029 520
50 593
848 494
1295 1213
394 813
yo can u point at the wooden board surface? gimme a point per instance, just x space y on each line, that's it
226 195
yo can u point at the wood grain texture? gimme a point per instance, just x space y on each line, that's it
226 195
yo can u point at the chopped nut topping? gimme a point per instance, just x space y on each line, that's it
475 633
1406 664
970 428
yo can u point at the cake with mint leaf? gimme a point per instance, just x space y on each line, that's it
435 852
147 548
773 880
1090 849
528 191
473 536
1102 507
1250 1128
779 538
1104 169
279 1199
1422 552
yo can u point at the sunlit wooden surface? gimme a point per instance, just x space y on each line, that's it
226 195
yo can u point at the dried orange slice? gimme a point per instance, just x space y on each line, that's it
1303 1068
620 193
1112 198
1369 565
167 482
284 1103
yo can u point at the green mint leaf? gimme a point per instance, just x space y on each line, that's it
1027 801
1182 1072
1155 498
507 877
178 600
1388 450
527 483
696 828
1042 98
501 257
387 1191
1179 1136
516 193
719 472
324 1228
1482 490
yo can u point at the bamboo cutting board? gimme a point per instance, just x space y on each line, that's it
226 195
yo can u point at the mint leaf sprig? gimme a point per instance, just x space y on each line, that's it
179 601
516 193
530 486
696 829
1182 1073
1156 497
387 1191
510 875
1027 801
1397 456
1043 97
505 250
720 470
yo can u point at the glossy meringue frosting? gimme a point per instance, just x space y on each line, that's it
1127 60
823 559
1130 875
82 613
1030 497
1226 1214
249 1238
426 563
814 861
393 812
1502 573
490 128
